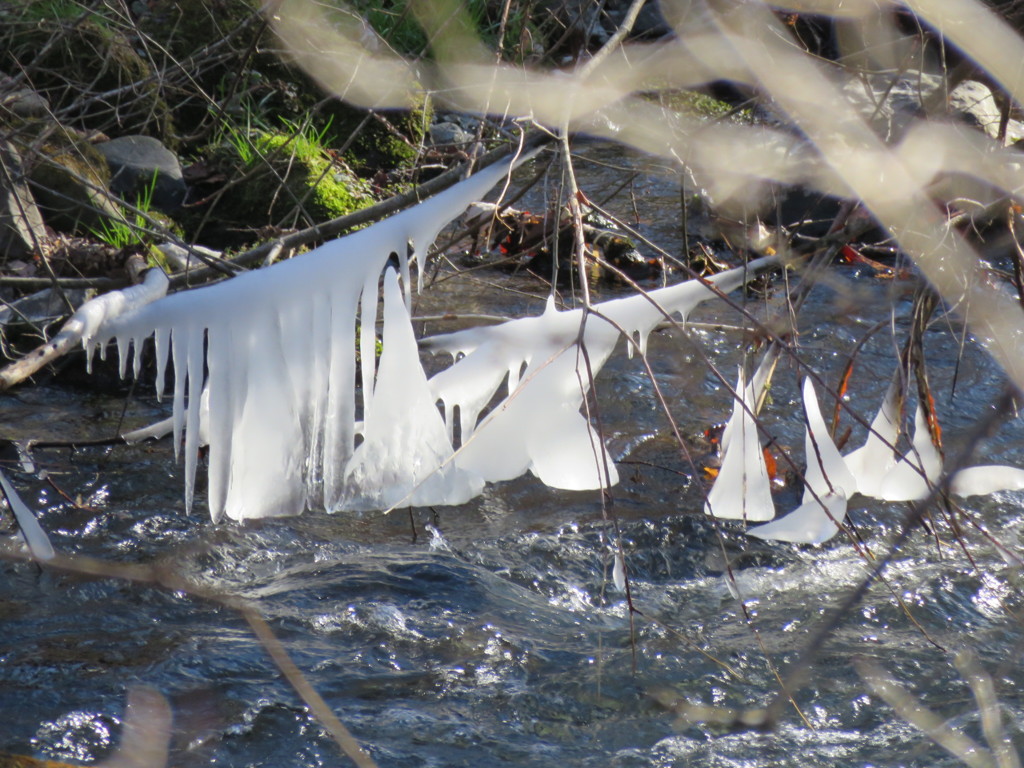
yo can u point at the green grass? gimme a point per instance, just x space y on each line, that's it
129 231
307 138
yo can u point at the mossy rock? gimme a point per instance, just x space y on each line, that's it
290 181
389 140
69 180
700 105
68 61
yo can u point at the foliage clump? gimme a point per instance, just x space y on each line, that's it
701 105
397 23
212 49
288 178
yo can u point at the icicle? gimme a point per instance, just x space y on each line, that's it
870 463
123 345
161 347
281 386
827 471
809 523
35 537
829 483
914 476
986 479
178 356
742 490
880 475
368 340
405 454
136 358
758 383
619 572
875 466
194 372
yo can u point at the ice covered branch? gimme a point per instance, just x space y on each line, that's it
84 324
265 371
276 350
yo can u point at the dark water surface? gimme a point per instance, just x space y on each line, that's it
494 636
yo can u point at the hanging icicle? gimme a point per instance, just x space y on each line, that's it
276 350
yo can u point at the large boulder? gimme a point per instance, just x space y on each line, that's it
893 102
17 101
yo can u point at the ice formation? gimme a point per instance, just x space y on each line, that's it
36 539
264 372
90 318
538 426
873 470
742 490
828 485
882 475
406 449
276 350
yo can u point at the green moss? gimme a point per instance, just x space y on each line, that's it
390 139
287 179
324 188
69 180
696 104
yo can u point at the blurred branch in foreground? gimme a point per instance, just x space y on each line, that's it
821 132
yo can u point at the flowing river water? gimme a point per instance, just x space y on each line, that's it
492 634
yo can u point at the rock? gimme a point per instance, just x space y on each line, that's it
580 24
286 180
43 307
21 102
69 180
133 161
449 135
650 22
893 103
21 225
